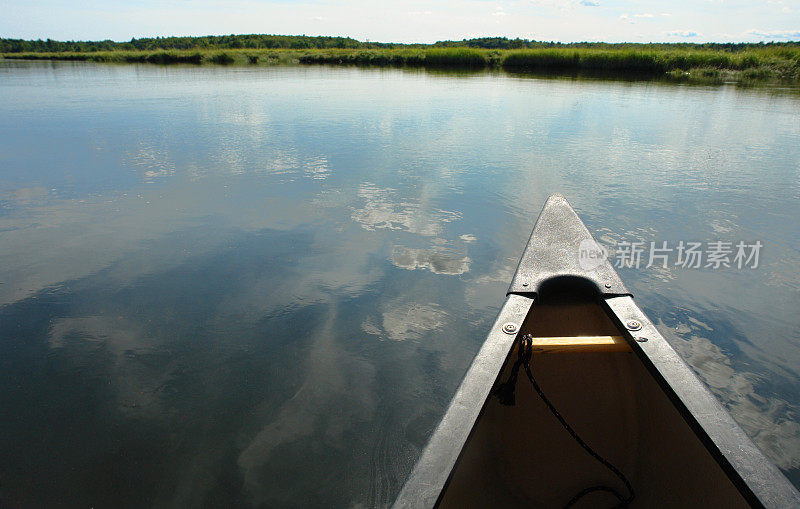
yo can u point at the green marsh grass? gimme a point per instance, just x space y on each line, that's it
221 58
781 63
456 57
768 62
433 57
172 57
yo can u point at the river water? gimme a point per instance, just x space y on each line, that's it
261 286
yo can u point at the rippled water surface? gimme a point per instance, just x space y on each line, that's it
262 285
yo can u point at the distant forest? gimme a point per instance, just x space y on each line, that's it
262 41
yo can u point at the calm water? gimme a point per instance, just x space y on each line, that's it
262 286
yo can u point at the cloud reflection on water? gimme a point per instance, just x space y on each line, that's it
273 316
403 320
336 394
381 211
438 261
763 418
135 383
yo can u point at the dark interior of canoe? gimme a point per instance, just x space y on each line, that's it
521 456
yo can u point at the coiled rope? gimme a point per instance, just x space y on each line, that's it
506 394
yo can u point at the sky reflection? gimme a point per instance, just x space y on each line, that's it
264 285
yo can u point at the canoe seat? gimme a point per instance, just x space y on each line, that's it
583 344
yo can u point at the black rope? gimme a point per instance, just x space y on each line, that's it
506 391
524 354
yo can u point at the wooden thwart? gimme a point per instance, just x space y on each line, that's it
582 344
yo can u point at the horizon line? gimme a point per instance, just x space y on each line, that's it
369 41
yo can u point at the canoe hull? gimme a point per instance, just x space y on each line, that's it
642 407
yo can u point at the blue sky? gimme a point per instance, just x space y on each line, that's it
409 21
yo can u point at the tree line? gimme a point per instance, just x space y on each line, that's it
265 41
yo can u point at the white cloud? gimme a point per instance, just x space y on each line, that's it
630 17
681 33
555 4
776 34
590 3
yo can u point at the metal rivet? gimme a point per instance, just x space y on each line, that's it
642 339
510 328
608 285
633 325
524 284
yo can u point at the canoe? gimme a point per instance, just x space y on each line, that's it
576 400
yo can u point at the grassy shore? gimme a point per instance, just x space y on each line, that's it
754 63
